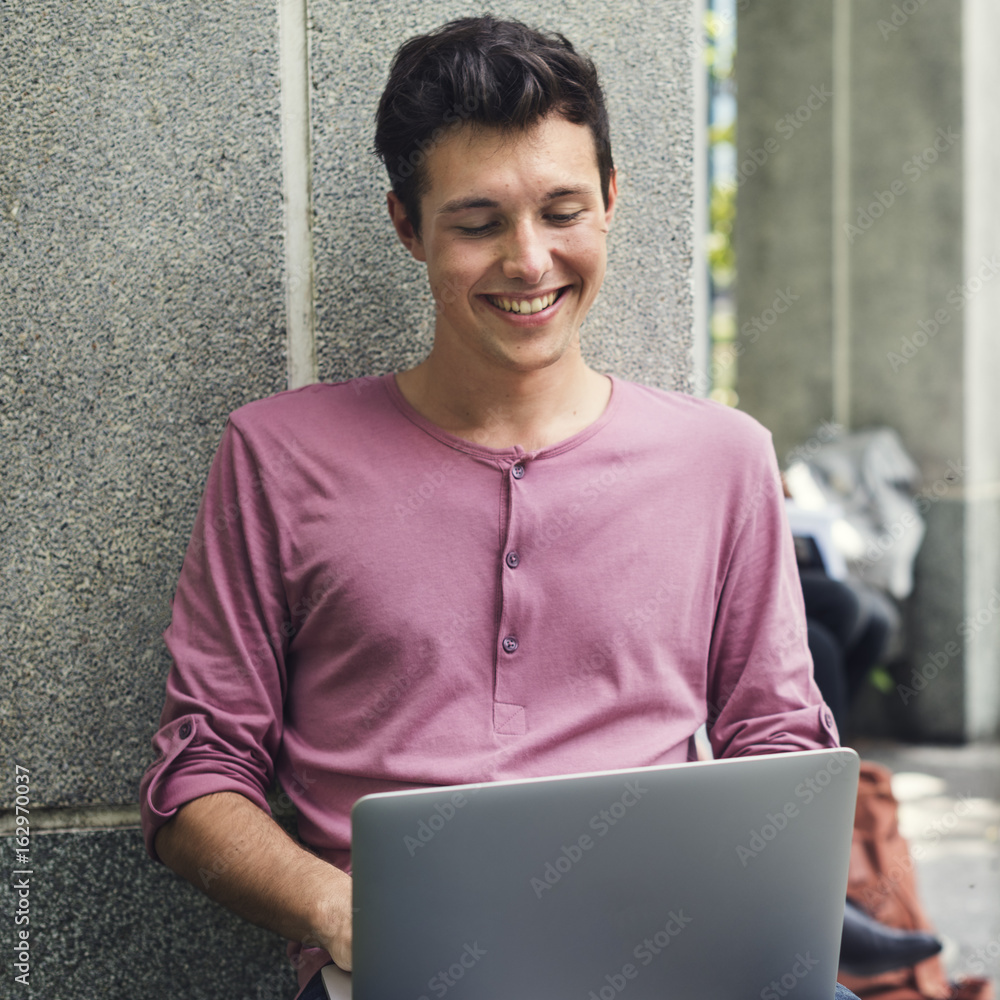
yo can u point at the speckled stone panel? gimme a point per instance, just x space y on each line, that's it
140 301
107 924
375 312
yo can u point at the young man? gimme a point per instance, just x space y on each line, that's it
594 570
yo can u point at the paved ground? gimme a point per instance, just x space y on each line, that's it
950 806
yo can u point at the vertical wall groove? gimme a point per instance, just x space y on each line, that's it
701 339
296 168
841 303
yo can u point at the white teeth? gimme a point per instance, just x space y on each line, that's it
523 306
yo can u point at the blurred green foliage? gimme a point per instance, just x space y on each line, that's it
720 61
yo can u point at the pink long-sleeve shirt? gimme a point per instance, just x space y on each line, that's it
369 603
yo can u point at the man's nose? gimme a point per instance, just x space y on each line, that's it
526 253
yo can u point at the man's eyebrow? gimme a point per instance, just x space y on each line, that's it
461 204
585 191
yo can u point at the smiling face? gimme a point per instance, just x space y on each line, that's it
514 237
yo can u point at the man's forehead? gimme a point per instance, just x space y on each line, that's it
558 151
475 136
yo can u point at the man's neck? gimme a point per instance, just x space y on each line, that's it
531 409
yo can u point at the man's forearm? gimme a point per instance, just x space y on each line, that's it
235 853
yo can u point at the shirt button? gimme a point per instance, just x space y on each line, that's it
517 471
509 644
513 559
185 730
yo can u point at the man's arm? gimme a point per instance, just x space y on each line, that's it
234 852
761 694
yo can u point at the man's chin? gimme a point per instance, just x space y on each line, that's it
536 359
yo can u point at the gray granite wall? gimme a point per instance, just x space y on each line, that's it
142 297
140 301
907 336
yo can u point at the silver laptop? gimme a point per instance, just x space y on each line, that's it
723 879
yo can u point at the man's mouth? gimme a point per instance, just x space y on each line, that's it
525 307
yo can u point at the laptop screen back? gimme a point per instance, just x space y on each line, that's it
721 879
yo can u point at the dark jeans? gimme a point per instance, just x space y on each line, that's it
314 991
849 630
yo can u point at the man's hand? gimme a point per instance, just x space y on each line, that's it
235 853
337 943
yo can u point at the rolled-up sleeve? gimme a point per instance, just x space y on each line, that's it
222 718
762 696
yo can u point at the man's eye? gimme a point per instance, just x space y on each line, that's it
476 230
562 219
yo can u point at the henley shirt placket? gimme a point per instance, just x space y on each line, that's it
508 712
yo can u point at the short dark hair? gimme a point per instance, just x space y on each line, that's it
487 72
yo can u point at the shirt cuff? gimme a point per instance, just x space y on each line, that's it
171 781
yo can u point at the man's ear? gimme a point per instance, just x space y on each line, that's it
404 228
609 213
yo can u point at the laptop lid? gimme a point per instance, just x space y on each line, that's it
720 878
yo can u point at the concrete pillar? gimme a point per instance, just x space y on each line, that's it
874 205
